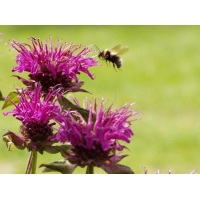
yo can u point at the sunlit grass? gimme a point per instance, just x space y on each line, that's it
160 74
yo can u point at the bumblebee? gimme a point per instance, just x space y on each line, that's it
113 55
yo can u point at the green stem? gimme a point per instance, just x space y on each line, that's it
29 165
34 162
90 169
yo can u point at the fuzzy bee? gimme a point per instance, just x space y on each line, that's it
113 55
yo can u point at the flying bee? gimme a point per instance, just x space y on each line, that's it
113 55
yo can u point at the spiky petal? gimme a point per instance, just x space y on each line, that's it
97 141
53 65
38 117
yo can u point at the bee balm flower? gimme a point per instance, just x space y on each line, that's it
97 140
38 118
53 65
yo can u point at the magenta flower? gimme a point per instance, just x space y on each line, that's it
96 141
53 65
38 118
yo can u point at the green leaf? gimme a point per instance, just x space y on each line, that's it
69 105
11 139
12 96
1 97
58 149
62 166
112 168
9 144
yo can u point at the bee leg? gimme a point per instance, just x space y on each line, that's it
114 67
120 69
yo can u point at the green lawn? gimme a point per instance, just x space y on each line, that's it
160 74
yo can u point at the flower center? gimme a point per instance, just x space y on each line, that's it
36 132
83 156
47 80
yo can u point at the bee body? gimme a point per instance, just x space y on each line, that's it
113 55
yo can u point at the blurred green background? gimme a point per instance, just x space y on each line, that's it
160 74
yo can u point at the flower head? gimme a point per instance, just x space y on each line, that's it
38 118
53 65
97 140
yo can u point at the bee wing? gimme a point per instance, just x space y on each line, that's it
119 49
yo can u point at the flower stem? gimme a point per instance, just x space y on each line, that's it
34 162
29 165
90 169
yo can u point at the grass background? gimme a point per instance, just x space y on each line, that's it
160 73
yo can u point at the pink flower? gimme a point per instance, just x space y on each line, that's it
97 140
38 118
53 65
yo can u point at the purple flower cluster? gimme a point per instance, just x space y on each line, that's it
38 117
96 141
47 117
53 65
